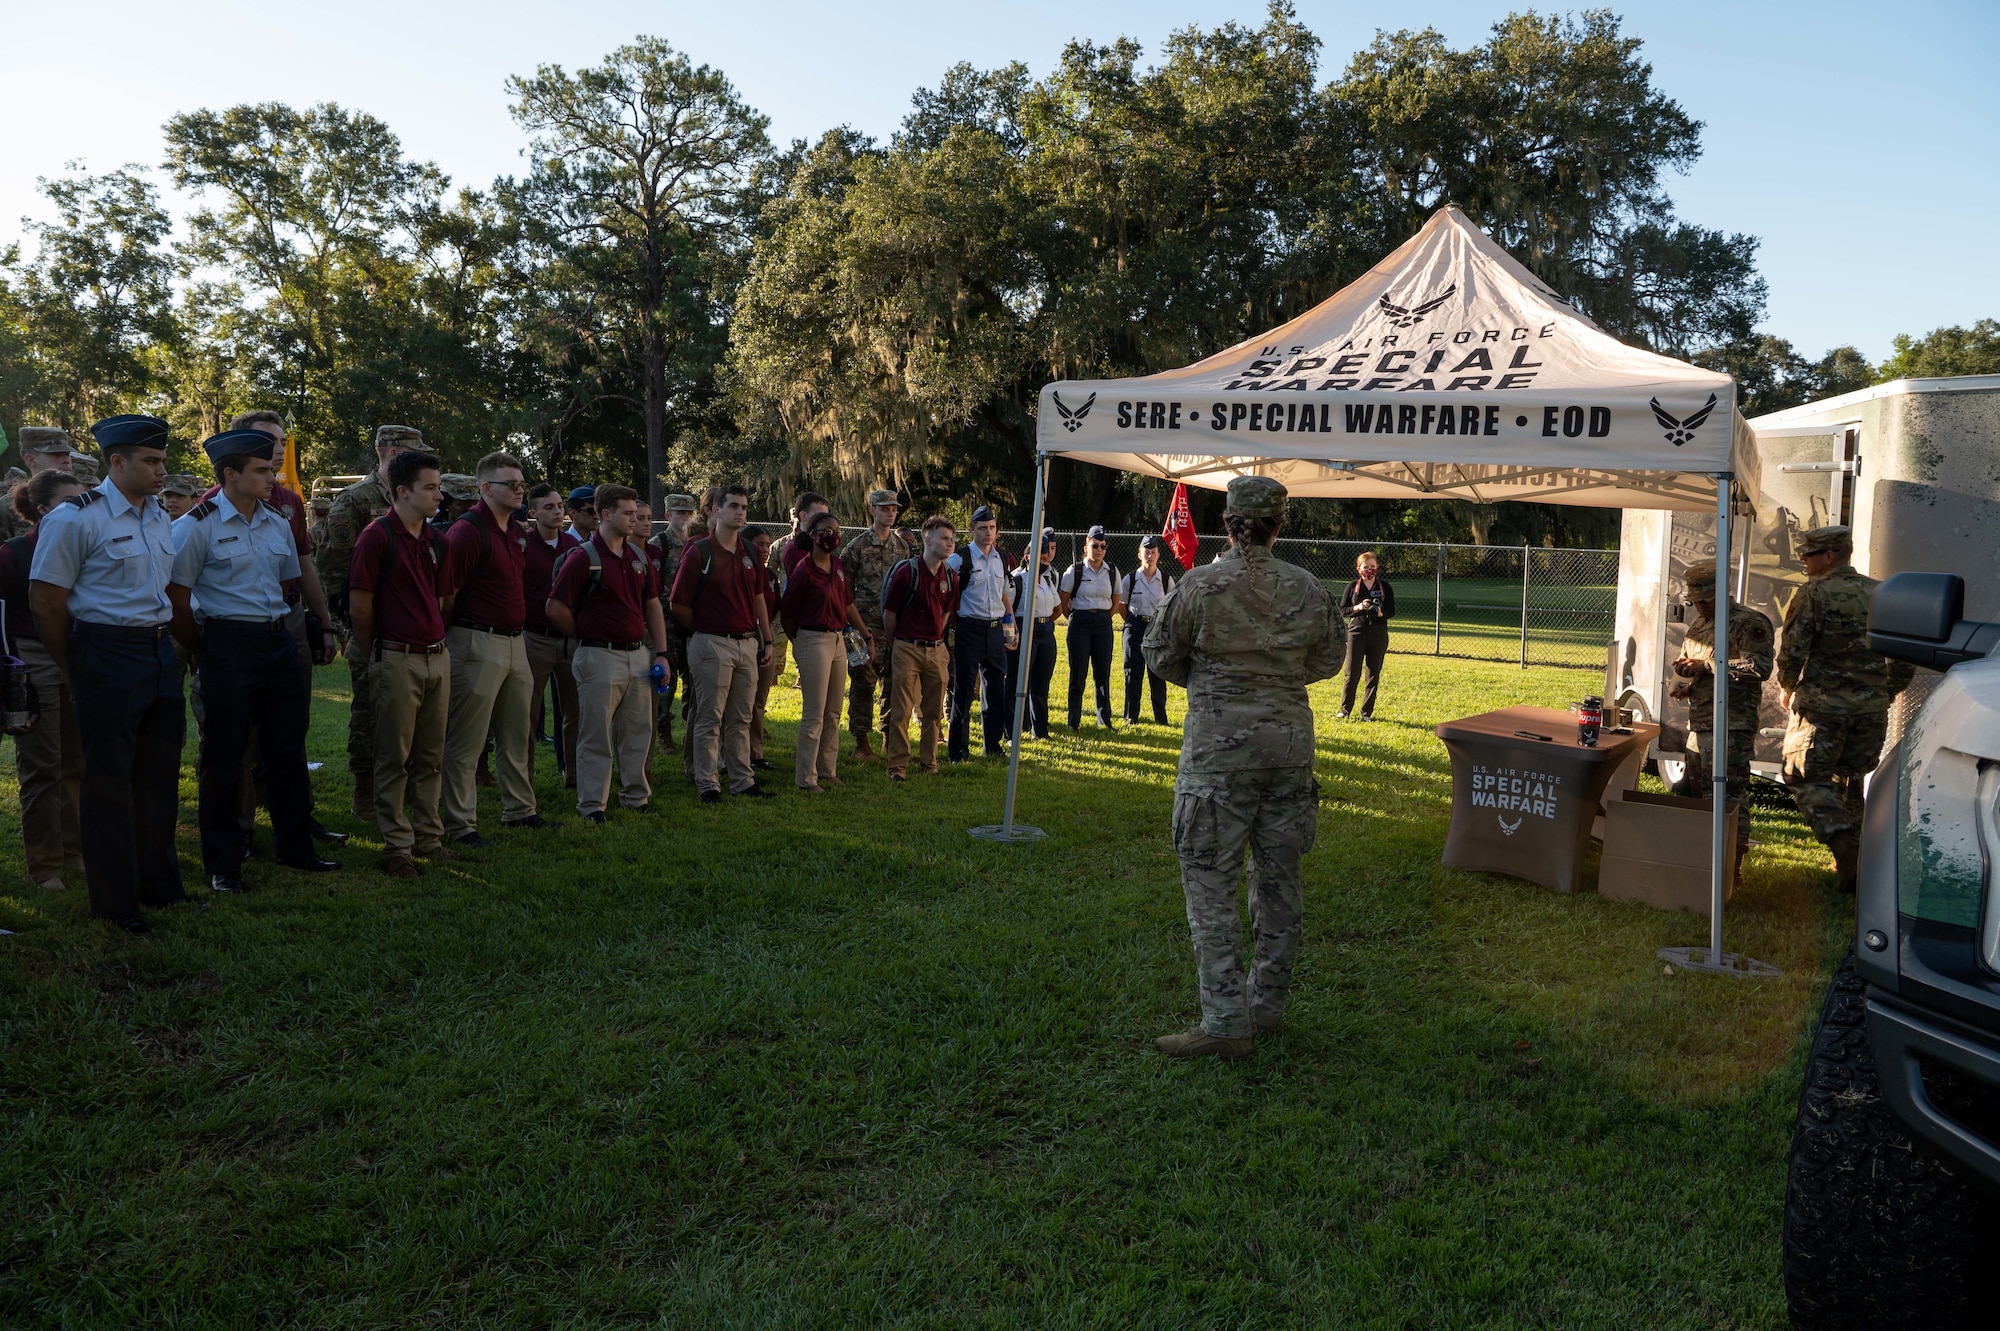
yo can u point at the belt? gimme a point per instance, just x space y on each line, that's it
233 622
1046 619
149 632
541 632
922 642
609 645
983 623
409 648
807 628
486 628
1076 610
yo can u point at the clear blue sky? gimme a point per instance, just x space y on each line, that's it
1861 142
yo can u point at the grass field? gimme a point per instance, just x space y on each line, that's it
829 1062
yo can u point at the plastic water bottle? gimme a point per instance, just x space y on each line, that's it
659 674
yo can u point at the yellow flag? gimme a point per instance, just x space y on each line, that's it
289 477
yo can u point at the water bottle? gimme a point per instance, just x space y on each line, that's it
858 654
1589 717
659 674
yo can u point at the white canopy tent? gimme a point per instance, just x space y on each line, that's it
1448 371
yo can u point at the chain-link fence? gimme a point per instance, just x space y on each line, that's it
1522 603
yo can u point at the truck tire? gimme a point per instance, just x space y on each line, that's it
1877 1234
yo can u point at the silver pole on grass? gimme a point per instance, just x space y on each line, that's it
1713 958
1437 608
1024 620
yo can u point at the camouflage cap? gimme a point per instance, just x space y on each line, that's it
15 476
398 436
83 464
883 499
1836 539
43 439
1700 577
680 503
1256 497
457 485
182 483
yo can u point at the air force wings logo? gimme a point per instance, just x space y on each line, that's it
1680 431
1073 420
1505 829
1403 316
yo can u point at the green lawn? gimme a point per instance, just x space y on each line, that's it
829 1062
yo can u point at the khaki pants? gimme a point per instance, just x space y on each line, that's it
491 688
412 699
49 760
917 674
766 677
822 659
550 659
724 673
614 722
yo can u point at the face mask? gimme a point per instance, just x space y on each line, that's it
827 540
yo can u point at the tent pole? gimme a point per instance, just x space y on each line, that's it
1024 622
1437 608
1524 605
1713 958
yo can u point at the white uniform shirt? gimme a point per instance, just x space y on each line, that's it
1047 599
985 590
236 567
1091 589
113 557
1143 595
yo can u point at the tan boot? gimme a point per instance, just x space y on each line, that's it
1198 1043
364 796
1846 847
862 753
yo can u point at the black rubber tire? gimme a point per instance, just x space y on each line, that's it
1878 1234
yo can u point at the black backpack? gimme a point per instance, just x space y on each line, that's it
965 566
389 555
1073 575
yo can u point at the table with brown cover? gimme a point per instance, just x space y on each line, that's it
1523 805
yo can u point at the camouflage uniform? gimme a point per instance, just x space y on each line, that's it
1245 636
1750 650
354 508
867 562
1841 690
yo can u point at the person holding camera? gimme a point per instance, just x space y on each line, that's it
1369 605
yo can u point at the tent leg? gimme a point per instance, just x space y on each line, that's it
1024 619
1713 958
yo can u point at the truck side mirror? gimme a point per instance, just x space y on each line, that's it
1915 617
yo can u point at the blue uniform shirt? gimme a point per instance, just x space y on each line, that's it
235 567
113 556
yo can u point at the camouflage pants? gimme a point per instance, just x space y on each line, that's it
665 705
1825 759
1273 815
360 716
1701 775
862 681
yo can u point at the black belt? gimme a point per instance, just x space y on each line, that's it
541 632
148 634
923 642
1050 620
807 628
1138 619
408 648
1078 610
264 625
486 628
610 646
983 623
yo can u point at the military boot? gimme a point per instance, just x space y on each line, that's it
1198 1043
364 796
862 753
1846 847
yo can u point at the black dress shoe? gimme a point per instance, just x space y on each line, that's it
757 792
135 926
762 765
533 820
596 817
711 797
642 808
226 883
471 841
321 832
312 864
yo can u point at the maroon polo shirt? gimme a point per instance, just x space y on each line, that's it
20 618
797 549
725 599
923 619
616 611
406 602
538 570
816 600
488 565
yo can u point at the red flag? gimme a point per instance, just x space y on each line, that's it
1179 531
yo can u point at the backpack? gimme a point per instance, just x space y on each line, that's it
964 557
588 550
23 548
389 556
1073 575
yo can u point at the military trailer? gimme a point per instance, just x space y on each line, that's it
1913 466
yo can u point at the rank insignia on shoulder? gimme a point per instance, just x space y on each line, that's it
202 510
86 499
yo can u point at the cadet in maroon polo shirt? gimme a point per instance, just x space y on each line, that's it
916 610
492 686
607 597
718 597
396 583
549 648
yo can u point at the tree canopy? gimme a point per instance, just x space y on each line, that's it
663 297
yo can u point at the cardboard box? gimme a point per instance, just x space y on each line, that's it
1656 851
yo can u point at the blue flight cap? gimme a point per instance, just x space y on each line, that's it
130 432
1095 534
235 443
983 514
583 494
1048 536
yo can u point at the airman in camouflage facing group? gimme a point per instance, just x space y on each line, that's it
1838 691
353 509
867 560
1245 635
1750 651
